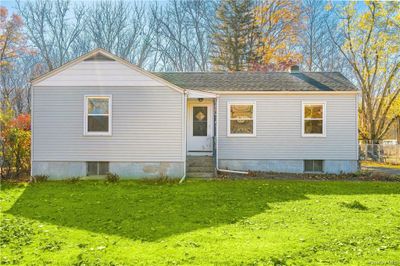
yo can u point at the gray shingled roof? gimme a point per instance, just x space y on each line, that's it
259 81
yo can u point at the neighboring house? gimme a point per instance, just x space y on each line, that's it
99 114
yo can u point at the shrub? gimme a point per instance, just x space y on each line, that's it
15 142
39 178
112 177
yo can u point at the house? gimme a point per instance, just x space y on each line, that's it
99 113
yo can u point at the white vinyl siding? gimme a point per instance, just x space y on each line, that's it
147 125
279 129
99 73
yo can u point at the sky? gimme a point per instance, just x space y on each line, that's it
11 4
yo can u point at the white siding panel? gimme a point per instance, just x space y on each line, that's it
278 132
99 73
146 125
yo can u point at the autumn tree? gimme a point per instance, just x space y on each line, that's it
12 40
278 22
372 48
233 34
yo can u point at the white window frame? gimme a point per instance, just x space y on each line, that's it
86 115
303 119
229 134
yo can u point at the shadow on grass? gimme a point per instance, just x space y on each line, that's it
149 212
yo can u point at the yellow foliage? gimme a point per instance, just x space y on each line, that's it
278 22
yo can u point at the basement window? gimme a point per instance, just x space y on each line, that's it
313 166
97 168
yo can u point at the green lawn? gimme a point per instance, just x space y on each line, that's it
250 222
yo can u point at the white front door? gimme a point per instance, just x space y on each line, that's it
200 128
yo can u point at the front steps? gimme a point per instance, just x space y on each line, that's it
200 166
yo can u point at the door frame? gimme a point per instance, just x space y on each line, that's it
210 124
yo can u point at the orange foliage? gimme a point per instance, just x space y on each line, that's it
12 41
15 138
23 121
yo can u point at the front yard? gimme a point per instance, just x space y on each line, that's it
262 222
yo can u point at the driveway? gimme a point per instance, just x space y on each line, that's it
381 169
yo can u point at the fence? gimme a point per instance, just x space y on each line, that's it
389 153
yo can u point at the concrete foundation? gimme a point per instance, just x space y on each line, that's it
126 170
288 166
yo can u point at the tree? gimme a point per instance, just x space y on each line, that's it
233 34
318 51
13 47
12 40
53 28
182 33
372 48
279 23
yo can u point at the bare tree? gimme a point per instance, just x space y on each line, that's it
183 32
52 27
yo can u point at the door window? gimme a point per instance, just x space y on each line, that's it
200 121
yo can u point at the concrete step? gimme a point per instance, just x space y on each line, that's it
200 174
200 169
200 161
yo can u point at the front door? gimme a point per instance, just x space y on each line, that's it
200 128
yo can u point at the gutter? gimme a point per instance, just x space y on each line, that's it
216 146
185 94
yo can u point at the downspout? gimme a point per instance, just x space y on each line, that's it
31 171
216 146
184 136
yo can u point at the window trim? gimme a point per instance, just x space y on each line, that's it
229 104
308 135
86 115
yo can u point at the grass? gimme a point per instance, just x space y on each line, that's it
378 164
250 222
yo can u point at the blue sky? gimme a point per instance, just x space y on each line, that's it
11 4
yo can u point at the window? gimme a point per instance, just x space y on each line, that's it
313 166
97 115
200 121
241 119
97 168
314 120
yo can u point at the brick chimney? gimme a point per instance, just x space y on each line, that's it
294 69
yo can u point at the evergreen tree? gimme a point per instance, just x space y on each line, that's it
233 37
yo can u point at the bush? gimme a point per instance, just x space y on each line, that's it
15 142
112 178
39 178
